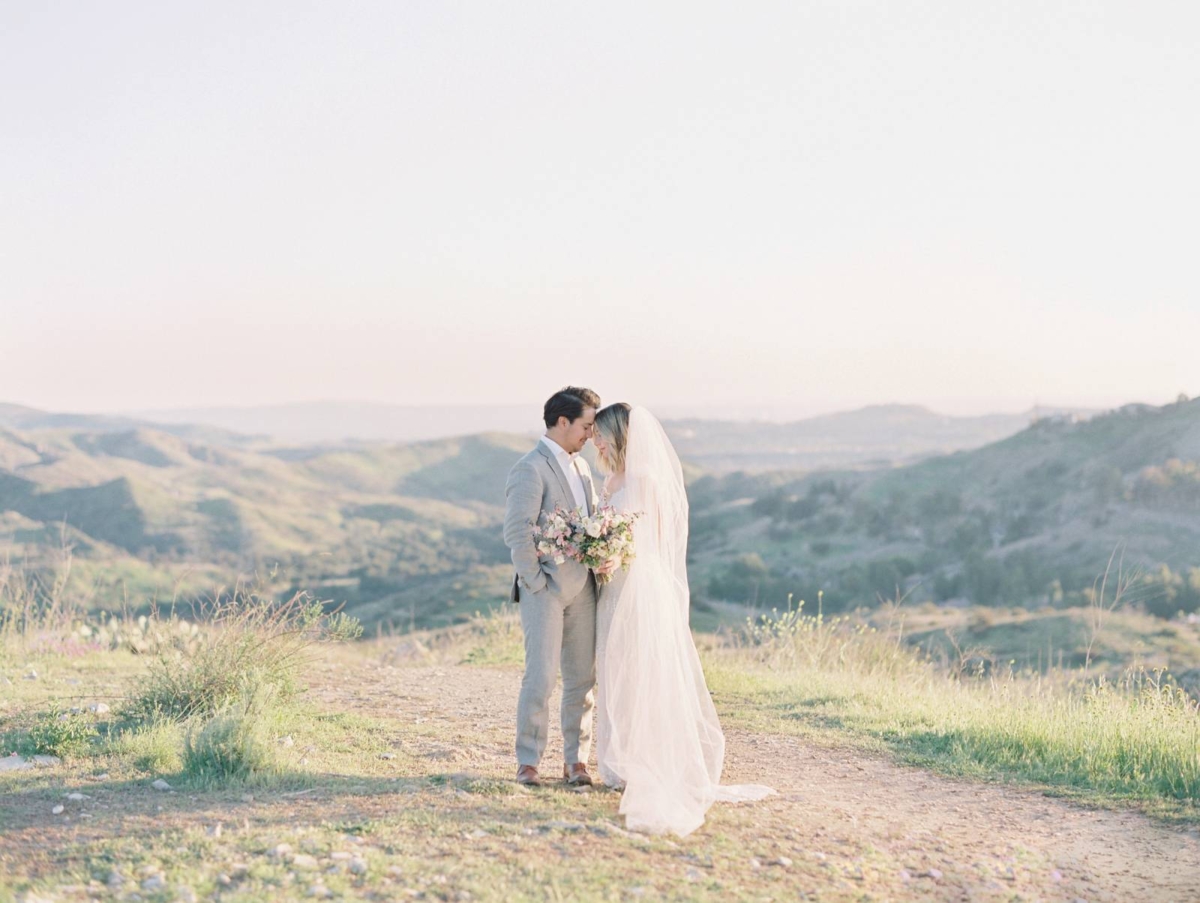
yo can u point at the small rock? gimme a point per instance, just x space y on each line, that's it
693 874
935 874
99 708
154 883
115 878
58 810
783 861
216 830
6 681
247 797
341 856
185 894
387 755
101 777
305 862
31 675
287 741
395 871
755 864
279 850
15 763
78 797
562 826
1056 876
358 866
905 875
224 880
320 891
160 784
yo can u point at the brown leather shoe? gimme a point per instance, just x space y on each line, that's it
528 775
576 774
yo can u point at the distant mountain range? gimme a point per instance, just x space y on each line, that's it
879 435
325 422
19 417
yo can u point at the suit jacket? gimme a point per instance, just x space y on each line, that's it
537 484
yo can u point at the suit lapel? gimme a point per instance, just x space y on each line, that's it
589 492
562 477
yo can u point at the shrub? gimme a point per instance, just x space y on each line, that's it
234 744
249 641
65 734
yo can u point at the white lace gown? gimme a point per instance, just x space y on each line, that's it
658 733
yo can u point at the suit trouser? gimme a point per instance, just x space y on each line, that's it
557 632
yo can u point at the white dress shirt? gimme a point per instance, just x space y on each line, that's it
567 462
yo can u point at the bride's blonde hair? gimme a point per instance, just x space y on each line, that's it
613 423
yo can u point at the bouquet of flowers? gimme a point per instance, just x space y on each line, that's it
589 539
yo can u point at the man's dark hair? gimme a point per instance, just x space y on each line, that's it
568 402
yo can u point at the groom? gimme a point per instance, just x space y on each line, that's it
558 601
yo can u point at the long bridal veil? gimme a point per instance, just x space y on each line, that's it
665 741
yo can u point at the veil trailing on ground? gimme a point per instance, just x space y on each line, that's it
665 741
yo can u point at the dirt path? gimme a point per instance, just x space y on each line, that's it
945 839
413 770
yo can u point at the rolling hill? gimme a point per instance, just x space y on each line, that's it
147 514
1031 519
408 534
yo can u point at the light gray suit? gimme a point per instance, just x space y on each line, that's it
558 611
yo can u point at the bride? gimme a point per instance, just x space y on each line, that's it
658 733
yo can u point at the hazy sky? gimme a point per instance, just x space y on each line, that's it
972 205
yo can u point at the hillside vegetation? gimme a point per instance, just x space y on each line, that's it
403 533
408 535
1031 520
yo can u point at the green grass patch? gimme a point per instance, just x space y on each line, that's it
154 748
836 681
496 638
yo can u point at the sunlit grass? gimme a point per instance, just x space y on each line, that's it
1137 738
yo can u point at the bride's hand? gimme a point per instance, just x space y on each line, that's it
609 567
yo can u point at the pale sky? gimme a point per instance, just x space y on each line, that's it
972 205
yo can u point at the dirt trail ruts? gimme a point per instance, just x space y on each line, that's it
958 840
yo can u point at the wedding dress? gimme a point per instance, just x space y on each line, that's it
658 733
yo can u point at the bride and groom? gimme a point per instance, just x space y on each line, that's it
625 637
